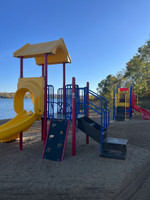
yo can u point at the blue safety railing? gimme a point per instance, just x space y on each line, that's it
99 105
68 101
60 101
81 103
81 98
50 101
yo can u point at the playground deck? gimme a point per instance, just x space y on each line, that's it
24 175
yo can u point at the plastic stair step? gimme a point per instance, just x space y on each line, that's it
113 154
114 148
118 144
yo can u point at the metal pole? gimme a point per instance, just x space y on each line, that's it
21 76
87 137
73 118
42 70
21 67
42 119
64 80
45 98
42 128
130 108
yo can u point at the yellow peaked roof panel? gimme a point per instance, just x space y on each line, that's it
57 52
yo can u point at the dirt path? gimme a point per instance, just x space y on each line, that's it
24 175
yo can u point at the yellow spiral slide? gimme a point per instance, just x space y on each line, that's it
23 120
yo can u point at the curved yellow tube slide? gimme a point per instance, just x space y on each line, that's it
23 120
20 123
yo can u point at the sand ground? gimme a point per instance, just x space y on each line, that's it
24 175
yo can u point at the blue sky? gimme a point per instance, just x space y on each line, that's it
101 37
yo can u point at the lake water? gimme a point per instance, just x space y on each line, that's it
7 107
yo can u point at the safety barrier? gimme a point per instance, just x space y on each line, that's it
50 101
97 103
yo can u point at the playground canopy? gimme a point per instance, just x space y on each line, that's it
56 50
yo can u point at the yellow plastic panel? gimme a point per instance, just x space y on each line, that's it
60 57
57 51
36 87
122 104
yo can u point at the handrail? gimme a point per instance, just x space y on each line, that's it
106 121
96 95
93 109
95 106
103 108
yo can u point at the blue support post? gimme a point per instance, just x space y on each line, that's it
104 119
85 101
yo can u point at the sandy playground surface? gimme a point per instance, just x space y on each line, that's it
24 175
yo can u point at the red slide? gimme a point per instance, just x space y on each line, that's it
145 114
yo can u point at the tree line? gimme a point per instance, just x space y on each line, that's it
10 95
137 73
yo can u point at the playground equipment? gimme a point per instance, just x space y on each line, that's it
124 102
73 104
24 120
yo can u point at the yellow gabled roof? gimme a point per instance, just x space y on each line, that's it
56 49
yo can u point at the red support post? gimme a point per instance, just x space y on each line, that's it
21 141
42 121
21 66
45 98
73 118
87 137
21 133
42 129
42 70
64 80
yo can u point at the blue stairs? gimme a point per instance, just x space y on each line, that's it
55 144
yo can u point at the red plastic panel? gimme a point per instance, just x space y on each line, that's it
124 89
